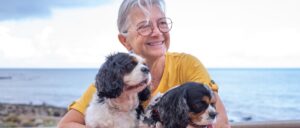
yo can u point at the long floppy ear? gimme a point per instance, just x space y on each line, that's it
109 80
145 94
173 110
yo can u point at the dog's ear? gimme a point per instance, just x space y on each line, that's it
171 103
108 84
109 80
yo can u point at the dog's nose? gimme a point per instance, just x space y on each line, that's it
212 114
145 70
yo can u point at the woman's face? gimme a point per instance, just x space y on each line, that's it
152 46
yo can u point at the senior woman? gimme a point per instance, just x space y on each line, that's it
144 30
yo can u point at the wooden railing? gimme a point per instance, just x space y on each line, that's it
268 124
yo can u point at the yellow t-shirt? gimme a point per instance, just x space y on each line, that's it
179 68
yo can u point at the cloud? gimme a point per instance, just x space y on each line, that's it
220 34
77 37
237 33
19 9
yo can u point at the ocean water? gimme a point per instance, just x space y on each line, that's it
259 94
248 94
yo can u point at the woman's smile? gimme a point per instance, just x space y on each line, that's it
154 43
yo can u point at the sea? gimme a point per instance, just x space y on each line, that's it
249 94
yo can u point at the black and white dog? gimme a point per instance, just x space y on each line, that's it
188 105
122 84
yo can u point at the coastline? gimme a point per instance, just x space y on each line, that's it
30 115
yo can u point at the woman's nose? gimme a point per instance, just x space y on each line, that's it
156 30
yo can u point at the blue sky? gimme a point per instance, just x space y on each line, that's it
19 9
80 33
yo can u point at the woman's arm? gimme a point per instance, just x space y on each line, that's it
72 119
222 120
194 70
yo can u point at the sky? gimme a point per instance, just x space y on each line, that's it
81 33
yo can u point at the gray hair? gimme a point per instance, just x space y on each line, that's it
127 5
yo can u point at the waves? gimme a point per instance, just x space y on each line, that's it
248 94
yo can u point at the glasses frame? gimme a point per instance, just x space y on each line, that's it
139 28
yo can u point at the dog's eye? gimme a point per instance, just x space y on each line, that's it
145 64
131 65
204 105
213 104
134 63
199 107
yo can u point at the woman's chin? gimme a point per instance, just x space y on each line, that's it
155 53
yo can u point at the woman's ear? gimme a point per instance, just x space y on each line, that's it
123 41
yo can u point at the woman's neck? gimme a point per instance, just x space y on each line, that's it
156 68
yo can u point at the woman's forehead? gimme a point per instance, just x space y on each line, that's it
137 15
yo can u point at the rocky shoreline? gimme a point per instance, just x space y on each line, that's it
30 115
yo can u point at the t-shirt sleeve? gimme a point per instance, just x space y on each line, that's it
82 103
196 72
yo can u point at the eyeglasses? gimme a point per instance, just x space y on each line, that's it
145 28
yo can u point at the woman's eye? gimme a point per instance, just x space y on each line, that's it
143 27
163 23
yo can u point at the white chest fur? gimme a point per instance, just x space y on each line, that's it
104 115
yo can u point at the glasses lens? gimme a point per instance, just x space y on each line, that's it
144 28
164 24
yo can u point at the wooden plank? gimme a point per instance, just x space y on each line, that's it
267 124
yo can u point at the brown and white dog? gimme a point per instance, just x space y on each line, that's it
189 105
122 84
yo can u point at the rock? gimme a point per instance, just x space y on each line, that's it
248 118
29 115
12 118
5 77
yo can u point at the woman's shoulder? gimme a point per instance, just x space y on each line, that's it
180 56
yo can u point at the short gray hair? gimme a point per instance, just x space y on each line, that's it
127 5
